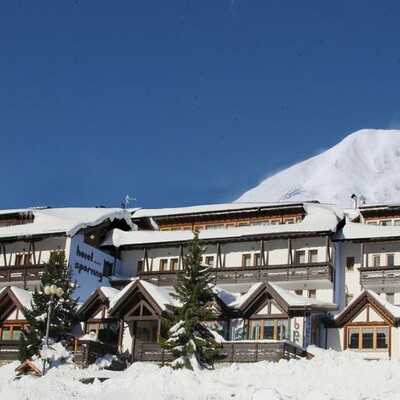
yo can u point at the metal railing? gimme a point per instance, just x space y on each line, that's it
271 273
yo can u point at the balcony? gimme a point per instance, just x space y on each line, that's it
371 277
271 273
21 273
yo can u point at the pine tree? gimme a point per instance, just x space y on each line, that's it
187 337
63 314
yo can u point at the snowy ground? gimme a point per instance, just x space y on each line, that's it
329 375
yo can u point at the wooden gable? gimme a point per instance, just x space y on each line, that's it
366 309
270 308
10 307
136 302
95 307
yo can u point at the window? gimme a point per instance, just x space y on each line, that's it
312 294
390 260
106 331
390 298
18 259
243 224
215 226
368 337
140 266
246 260
289 221
209 260
257 260
386 222
164 264
349 298
275 329
298 292
376 260
300 257
313 256
174 264
229 226
10 332
396 222
372 223
350 263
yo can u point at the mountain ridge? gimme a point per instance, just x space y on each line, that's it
365 163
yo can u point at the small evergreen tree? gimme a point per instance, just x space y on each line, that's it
63 312
186 335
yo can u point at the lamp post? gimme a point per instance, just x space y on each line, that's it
50 290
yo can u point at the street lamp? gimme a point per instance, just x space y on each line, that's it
50 290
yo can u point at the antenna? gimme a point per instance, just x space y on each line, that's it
127 200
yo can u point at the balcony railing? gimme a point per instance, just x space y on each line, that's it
21 273
8 350
271 273
242 351
378 276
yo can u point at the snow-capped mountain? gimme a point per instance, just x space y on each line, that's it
366 163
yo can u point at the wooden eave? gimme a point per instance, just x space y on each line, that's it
376 239
247 238
224 215
351 311
386 211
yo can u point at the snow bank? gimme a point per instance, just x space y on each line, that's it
329 375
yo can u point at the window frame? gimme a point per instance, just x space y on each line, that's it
163 265
246 257
361 339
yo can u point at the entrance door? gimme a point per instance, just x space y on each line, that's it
144 332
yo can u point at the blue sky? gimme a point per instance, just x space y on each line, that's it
183 102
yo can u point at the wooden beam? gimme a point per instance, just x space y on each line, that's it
262 252
290 258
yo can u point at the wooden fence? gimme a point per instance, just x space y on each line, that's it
242 351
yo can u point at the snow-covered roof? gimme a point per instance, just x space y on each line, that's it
109 292
294 300
160 295
226 297
241 299
62 220
353 230
319 218
23 296
394 310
